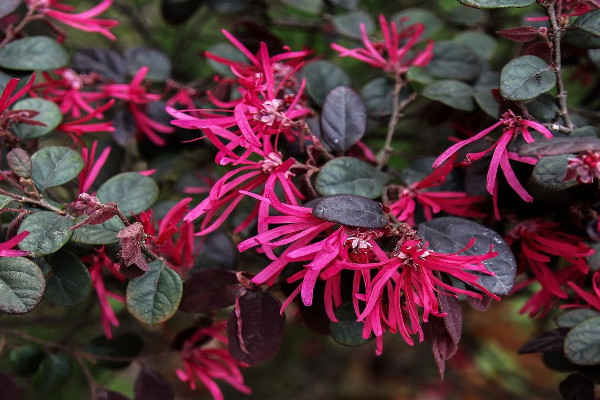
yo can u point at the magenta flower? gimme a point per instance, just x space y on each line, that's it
592 299
208 364
7 99
83 21
395 54
584 167
405 198
6 248
513 126
92 167
78 127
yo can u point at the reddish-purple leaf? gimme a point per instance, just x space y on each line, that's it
210 290
480 304
443 346
548 341
150 385
539 49
559 145
576 387
8 388
452 321
521 34
19 162
110 395
255 327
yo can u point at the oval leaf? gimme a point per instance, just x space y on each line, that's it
496 3
48 232
349 175
482 43
582 344
525 78
70 282
210 290
176 12
132 192
323 76
455 94
589 22
7 7
351 210
548 341
150 385
450 234
412 16
26 359
559 145
19 162
105 62
343 119
349 24
104 233
574 317
550 171
34 53
154 297
378 95
453 60
123 345
53 372
53 166
255 328
21 285
227 51
159 65
49 115
348 331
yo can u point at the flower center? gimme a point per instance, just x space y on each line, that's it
271 162
269 114
585 167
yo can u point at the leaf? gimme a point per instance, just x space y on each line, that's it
483 44
430 21
347 331
525 78
124 124
49 115
589 22
19 162
323 76
576 387
451 234
550 171
343 119
154 297
349 24
559 145
48 232
227 51
486 101
110 395
522 34
39 53
5 201
347 4
228 6
349 175
7 7
455 94
496 3
255 328
8 388
453 60
378 95
308 6
54 372
105 62
582 39
574 317
55 165
217 251
177 12
70 282
26 359
158 63
548 341
132 192
582 344
150 385
351 210
210 290
104 233
556 361
123 345
544 107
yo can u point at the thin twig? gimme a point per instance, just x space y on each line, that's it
88 376
38 202
11 31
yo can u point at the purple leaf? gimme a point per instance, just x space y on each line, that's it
521 34
343 119
480 304
559 145
150 385
255 328
110 395
351 210
8 388
548 341
576 387
210 290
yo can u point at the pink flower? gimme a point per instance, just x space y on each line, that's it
7 99
592 299
208 364
397 46
513 126
83 21
6 247
584 167
92 167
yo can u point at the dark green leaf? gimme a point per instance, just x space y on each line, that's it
123 345
453 60
5 200
582 39
49 114
555 360
323 76
431 23
343 119
48 232
347 4
418 76
70 282
544 107
21 285
154 297
53 372
55 165
525 78
8 6
550 171
467 16
482 43
8 388
455 94
348 331
450 234
124 124
349 24
39 53
307 6
351 210
486 100
103 233
19 162
496 3
179 11
132 192
26 359
588 131
228 51
159 64
349 175
378 95
150 385
582 345
574 317
589 22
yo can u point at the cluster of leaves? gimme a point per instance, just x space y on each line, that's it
296 163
